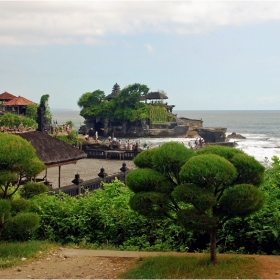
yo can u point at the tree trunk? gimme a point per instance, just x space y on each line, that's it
213 241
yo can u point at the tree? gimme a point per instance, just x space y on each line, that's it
18 159
91 103
199 190
128 105
44 115
31 111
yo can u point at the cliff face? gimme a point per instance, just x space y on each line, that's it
179 127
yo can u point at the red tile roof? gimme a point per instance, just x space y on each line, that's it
19 101
5 96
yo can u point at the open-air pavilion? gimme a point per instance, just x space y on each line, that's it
52 151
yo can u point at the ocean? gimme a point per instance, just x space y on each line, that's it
261 129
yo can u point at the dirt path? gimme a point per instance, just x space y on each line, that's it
104 264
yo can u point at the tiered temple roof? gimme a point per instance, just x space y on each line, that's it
115 92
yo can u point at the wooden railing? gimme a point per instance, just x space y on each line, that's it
94 153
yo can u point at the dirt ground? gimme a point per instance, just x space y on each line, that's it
103 264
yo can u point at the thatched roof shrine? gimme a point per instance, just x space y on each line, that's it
52 151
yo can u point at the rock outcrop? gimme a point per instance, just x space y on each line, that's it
212 134
234 135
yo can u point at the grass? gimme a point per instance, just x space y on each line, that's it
11 253
171 267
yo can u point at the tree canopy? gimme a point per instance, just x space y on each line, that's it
91 103
18 159
199 190
125 105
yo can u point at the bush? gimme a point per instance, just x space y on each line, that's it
20 204
20 227
30 189
104 217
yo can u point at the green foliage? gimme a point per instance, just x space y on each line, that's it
71 138
70 124
7 178
12 252
222 151
30 189
21 226
241 200
91 103
169 158
104 217
248 169
12 120
125 106
208 171
44 103
206 193
15 221
148 180
31 111
5 211
44 99
159 114
17 158
260 232
19 205
144 159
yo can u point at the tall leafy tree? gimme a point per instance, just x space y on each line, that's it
31 111
128 105
91 103
199 190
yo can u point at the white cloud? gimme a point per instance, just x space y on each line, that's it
67 22
149 48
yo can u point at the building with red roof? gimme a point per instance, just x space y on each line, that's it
17 105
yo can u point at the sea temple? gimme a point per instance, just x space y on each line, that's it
157 119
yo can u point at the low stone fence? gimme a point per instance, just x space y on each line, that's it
80 186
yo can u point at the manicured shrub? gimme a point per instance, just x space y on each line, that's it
20 204
21 226
30 189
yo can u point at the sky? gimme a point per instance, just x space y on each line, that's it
205 55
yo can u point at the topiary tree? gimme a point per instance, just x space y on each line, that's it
31 189
21 226
199 191
18 160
